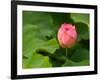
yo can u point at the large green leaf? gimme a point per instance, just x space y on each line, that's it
36 61
43 21
36 28
49 46
31 39
82 31
79 17
80 54
72 63
77 56
34 17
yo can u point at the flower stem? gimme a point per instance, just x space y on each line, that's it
66 55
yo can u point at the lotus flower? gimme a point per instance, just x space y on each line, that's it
67 35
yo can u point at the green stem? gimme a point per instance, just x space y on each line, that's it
66 54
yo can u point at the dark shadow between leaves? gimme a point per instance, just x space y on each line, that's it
57 59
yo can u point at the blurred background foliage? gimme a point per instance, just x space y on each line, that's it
40 44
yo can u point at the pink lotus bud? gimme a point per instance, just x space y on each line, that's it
67 35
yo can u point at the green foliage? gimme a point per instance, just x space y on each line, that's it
82 30
72 63
84 18
80 54
40 46
37 61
